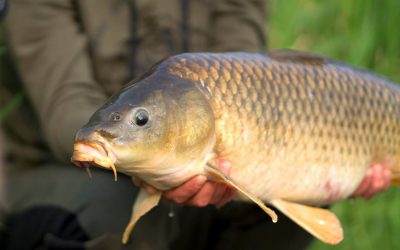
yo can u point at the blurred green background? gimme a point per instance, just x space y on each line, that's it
365 33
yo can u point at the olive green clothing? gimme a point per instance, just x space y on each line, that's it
72 55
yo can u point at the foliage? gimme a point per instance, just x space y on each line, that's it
360 32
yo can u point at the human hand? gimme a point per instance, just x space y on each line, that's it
198 191
377 179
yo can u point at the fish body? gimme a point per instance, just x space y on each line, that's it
298 128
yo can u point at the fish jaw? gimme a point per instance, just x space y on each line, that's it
86 153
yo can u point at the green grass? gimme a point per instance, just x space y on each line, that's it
364 33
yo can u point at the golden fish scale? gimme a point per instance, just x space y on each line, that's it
300 131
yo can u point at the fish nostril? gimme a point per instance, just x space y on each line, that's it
106 134
115 116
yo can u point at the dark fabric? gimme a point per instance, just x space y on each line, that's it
44 227
237 226
2 239
103 208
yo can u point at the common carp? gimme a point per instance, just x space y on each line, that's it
300 131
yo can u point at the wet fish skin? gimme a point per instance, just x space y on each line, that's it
298 129
295 125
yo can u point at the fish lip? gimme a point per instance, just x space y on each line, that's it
84 160
87 154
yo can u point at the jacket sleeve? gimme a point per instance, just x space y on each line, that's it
239 25
51 53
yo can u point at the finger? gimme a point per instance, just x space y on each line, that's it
218 193
185 191
381 180
203 197
220 188
229 194
363 187
378 182
388 178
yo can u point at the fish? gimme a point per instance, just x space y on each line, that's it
300 131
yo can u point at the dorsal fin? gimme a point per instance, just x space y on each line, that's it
294 56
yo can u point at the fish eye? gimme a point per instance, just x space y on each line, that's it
141 117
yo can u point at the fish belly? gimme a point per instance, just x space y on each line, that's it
298 178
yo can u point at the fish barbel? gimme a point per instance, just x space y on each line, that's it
299 129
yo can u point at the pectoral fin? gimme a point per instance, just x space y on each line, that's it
320 222
143 204
217 175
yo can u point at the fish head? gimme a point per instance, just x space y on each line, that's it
154 129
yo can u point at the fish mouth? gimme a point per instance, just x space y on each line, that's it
88 154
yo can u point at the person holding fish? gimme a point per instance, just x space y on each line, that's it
71 57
